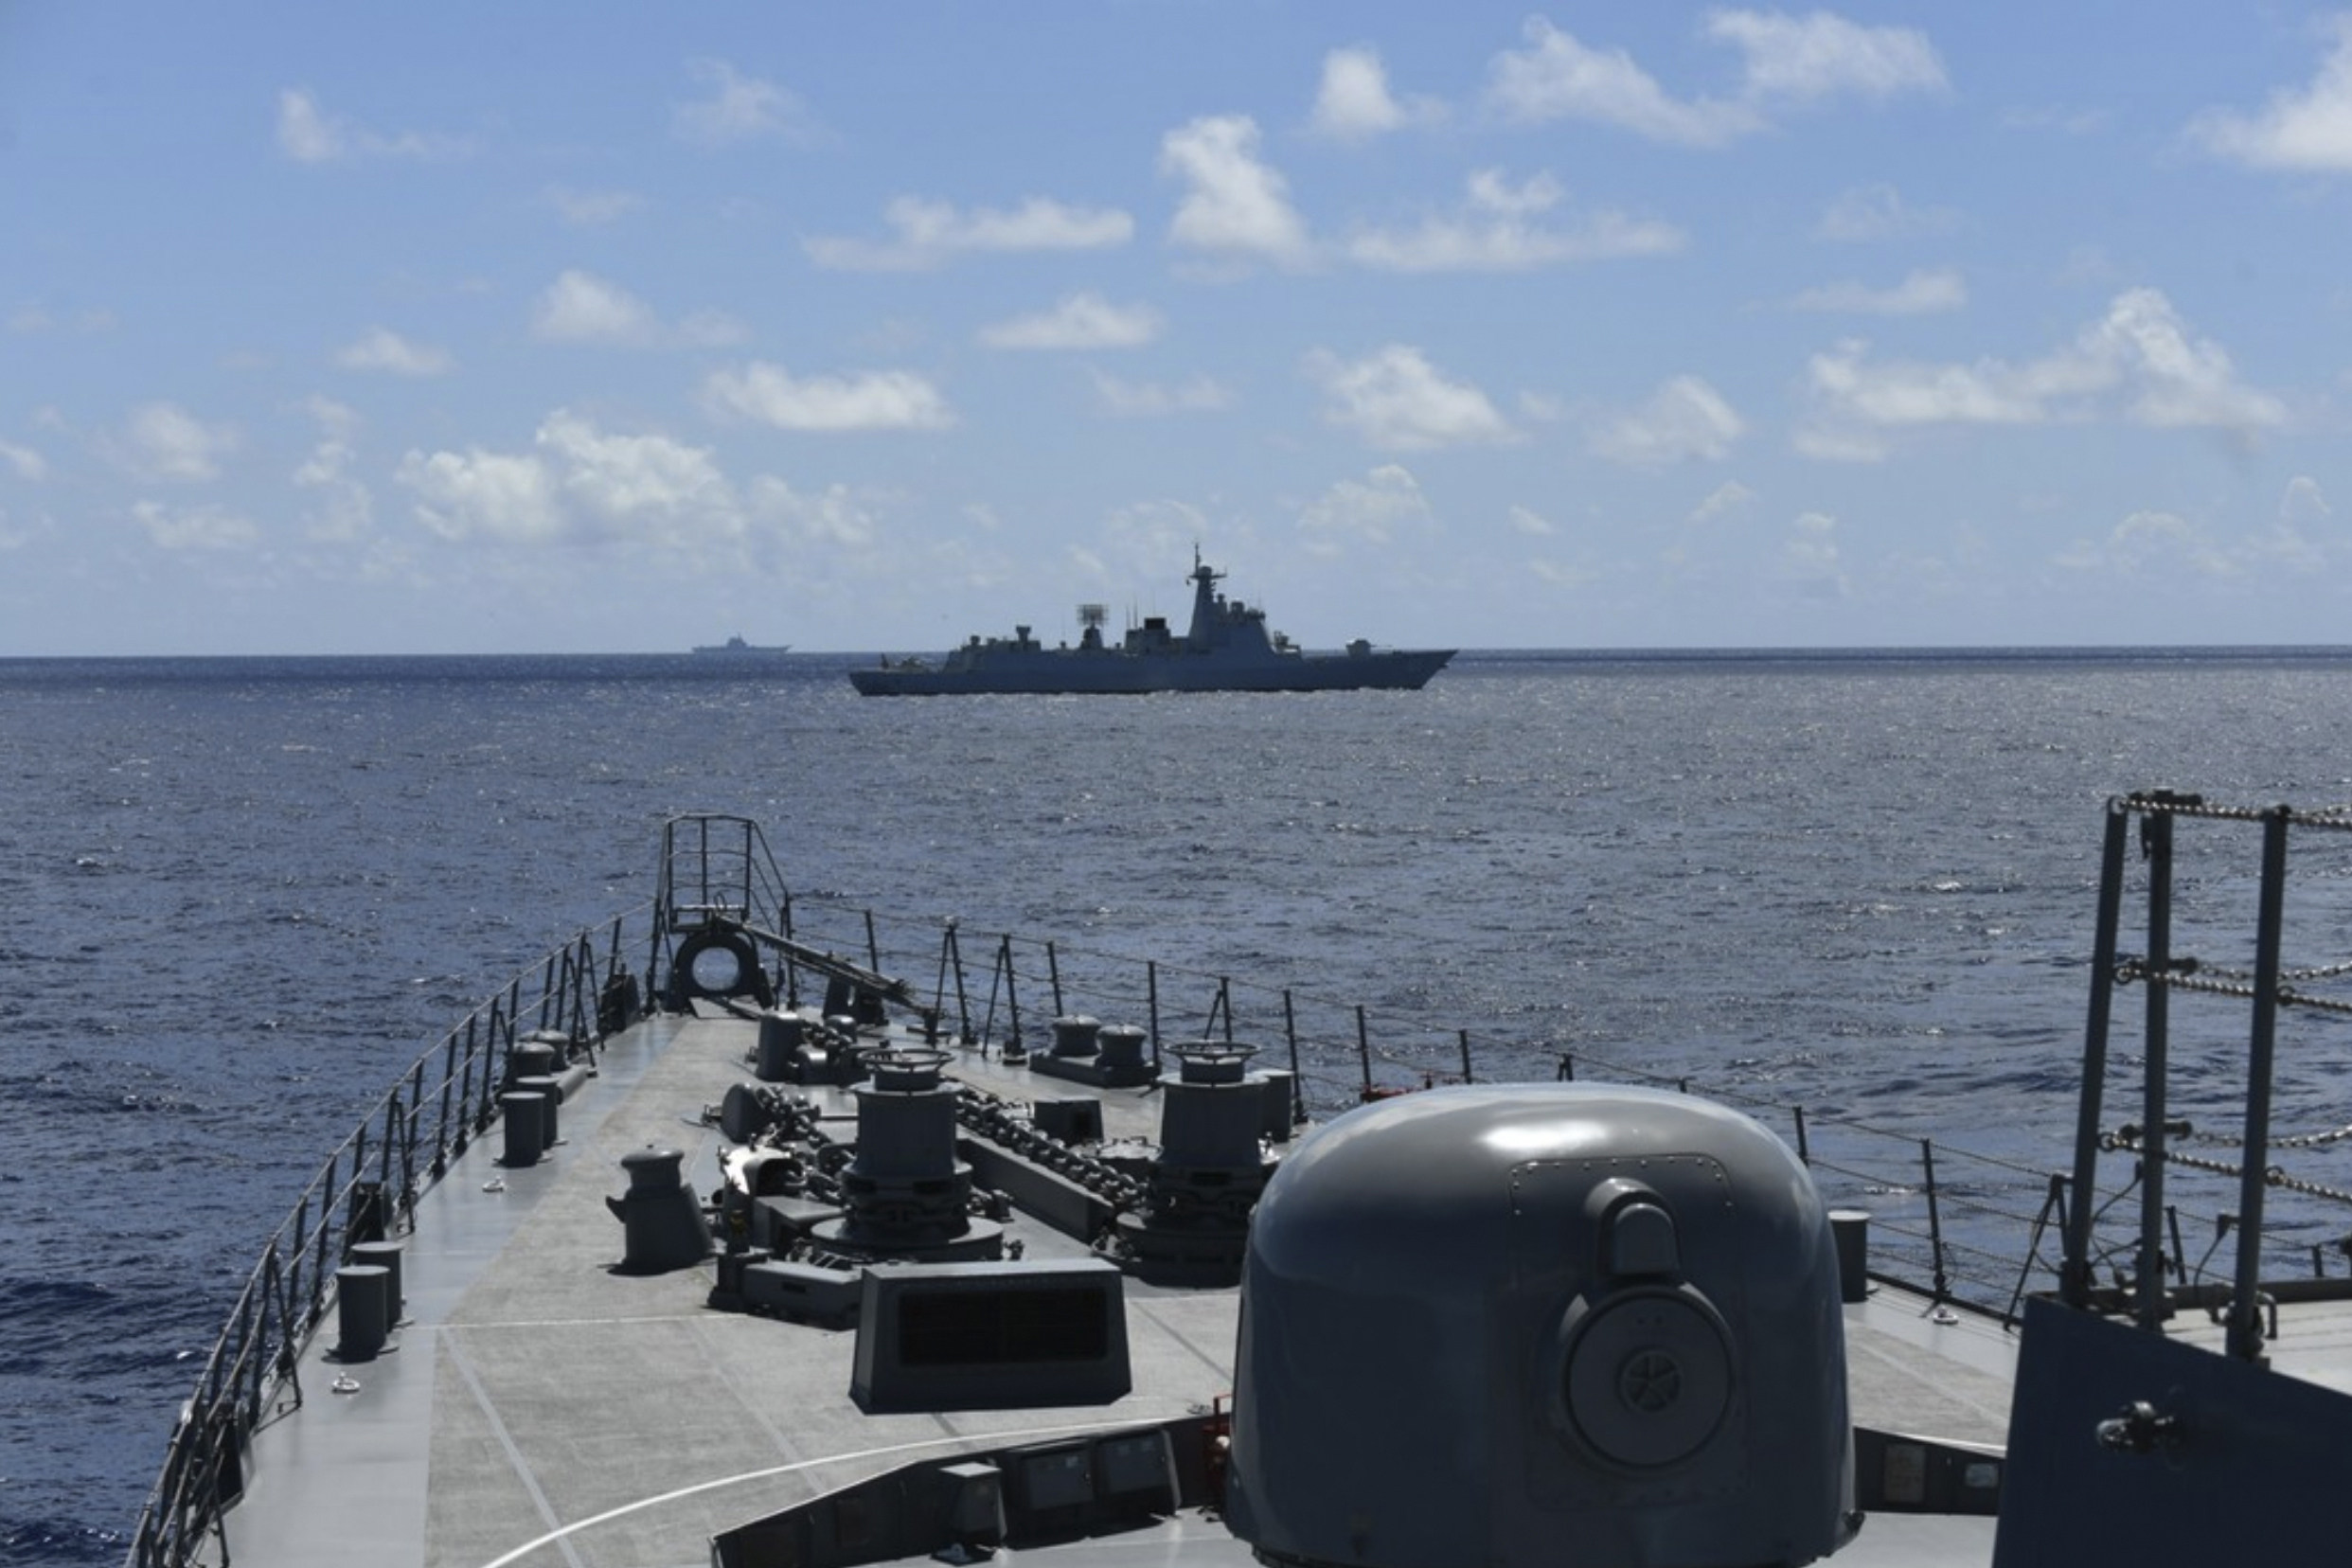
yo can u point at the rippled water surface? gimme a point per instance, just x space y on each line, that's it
236 897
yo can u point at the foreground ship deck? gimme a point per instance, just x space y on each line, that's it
556 1393
541 1408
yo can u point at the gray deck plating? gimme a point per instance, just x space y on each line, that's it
541 1409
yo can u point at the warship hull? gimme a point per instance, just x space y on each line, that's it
1112 673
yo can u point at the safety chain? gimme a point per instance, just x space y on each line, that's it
2325 971
2188 974
2193 806
2128 1141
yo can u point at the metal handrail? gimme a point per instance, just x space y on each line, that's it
370 1185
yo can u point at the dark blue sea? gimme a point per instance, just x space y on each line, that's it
237 896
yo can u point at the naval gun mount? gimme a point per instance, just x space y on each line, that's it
1571 1326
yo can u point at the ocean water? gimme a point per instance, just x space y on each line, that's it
237 896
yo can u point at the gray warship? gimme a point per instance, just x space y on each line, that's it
1226 648
734 646
759 1230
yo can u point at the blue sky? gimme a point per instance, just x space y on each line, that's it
529 328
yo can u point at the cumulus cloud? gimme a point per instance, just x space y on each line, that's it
343 510
1684 420
577 484
1082 321
737 108
34 321
2147 541
927 234
1396 400
590 207
581 308
206 527
2139 363
1923 292
1726 500
1873 212
1235 206
1810 556
307 133
1370 509
2307 129
834 516
163 441
1787 61
23 461
1804 59
380 349
2304 502
1496 231
876 400
1354 103
1146 399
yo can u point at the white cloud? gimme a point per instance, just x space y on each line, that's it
1354 103
1397 401
876 400
1235 205
165 442
1144 399
1923 292
194 528
1493 233
1082 321
1810 556
2306 129
32 321
835 517
1557 77
1531 523
1819 56
2138 364
1873 212
581 308
589 208
737 109
2148 541
380 349
27 463
1684 420
2304 502
929 233
307 133
346 511
1787 61
1726 500
508 497
1371 510
577 484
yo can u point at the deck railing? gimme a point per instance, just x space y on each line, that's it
366 1191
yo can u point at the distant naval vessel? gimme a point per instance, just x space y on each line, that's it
1226 649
